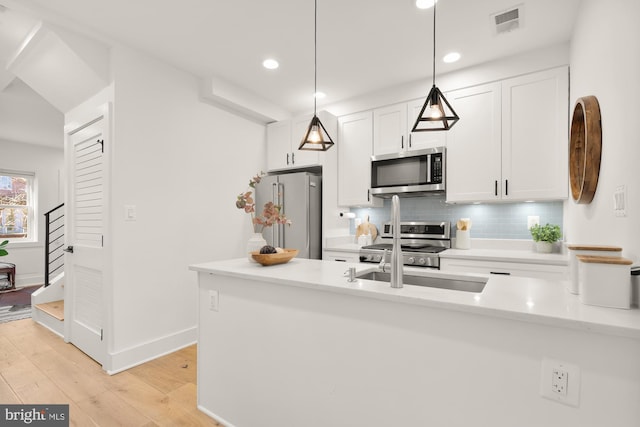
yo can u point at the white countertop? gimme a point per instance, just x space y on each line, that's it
507 255
516 298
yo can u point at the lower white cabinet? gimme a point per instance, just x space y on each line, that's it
340 256
539 271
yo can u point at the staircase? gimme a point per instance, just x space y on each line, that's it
48 302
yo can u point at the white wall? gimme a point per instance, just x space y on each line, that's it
303 357
181 162
605 62
47 163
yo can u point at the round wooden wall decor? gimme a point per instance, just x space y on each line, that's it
585 149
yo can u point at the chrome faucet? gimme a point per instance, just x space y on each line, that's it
396 251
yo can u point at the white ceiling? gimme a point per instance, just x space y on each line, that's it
363 45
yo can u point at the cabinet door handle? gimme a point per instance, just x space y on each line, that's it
409 140
506 187
293 159
368 195
287 158
496 188
402 141
501 273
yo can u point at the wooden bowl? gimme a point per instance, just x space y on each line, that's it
272 259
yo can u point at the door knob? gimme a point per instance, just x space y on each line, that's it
68 249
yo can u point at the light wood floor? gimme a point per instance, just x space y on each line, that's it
37 367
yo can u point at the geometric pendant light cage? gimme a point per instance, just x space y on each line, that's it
436 113
316 138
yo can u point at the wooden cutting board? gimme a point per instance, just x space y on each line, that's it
367 228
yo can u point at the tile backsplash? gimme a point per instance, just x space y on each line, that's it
489 221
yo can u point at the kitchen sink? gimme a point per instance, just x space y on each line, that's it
472 284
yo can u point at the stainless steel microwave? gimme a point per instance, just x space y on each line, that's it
410 173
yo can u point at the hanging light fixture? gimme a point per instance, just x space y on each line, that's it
436 113
316 138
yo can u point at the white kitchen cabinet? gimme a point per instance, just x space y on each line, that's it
355 136
279 145
340 256
390 129
284 137
535 135
392 126
540 271
420 140
474 144
511 141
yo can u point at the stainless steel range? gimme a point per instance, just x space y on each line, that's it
421 243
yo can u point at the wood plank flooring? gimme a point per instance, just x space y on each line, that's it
37 366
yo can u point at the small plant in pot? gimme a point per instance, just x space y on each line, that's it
3 251
545 236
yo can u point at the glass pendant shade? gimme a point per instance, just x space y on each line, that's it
436 113
316 138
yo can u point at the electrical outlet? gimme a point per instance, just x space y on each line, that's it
532 220
213 300
560 381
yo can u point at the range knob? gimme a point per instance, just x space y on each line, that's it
422 261
376 258
411 260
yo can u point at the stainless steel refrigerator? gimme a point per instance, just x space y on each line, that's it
300 196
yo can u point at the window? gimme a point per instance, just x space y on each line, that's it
16 205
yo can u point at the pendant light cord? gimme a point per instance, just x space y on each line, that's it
315 55
434 41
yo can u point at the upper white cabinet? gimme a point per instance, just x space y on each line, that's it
420 140
392 129
474 144
535 135
284 137
511 140
355 136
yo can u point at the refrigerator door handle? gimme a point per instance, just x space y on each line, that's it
279 200
273 230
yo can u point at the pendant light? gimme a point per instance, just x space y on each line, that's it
436 113
316 137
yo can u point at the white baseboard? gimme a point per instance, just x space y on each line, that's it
133 356
220 420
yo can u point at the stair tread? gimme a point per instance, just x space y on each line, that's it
53 308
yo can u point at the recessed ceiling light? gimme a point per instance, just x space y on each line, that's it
320 95
270 64
451 57
425 4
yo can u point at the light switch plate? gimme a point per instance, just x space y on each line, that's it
620 200
130 213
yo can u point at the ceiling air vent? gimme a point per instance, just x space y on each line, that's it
508 20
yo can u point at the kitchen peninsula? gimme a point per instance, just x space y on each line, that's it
298 344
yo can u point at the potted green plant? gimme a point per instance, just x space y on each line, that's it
3 251
545 236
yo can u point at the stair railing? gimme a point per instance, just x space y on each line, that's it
54 242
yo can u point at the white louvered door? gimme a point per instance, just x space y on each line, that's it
84 266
